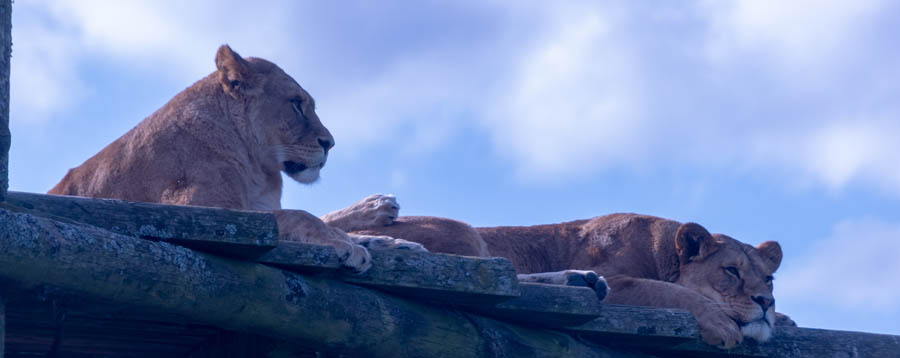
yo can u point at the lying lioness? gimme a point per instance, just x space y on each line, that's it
647 261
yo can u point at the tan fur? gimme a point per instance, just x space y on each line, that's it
646 260
223 142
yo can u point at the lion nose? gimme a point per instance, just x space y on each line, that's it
326 143
764 301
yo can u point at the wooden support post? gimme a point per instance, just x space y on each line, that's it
5 52
237 233
317 312
2 326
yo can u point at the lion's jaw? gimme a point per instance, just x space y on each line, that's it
301 163
760 329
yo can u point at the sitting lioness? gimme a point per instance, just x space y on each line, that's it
224 142
647 261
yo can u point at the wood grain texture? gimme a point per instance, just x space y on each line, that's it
228 232
316 312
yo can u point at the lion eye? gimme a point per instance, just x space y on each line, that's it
769 279
298 106
734 271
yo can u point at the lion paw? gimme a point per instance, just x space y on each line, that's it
782 319
588 279
354 257
581 278
386 243
374 211
717 329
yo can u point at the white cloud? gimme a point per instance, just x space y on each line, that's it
176 39
420 95
572 104
840 152
800 35
855 268
43 75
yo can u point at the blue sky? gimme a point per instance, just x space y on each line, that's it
758 119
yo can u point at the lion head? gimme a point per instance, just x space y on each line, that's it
297 141
736 275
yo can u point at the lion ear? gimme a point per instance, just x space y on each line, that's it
693 242
771 251
233 71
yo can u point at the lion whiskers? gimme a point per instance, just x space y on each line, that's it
283 152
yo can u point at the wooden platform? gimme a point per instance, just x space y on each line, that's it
81 290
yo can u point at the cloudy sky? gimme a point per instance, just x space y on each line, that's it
763 120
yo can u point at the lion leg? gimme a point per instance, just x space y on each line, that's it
378 242
441 235
581 278
782 319
300 226
716 327
373 211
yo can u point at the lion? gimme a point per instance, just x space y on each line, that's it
646 261
223 142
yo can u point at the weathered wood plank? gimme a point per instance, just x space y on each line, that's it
444 278
437 277
640 326
674 333
301 257
321 313
230 232
794 342
548 306
5 52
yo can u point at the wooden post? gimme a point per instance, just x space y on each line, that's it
5 52
2 326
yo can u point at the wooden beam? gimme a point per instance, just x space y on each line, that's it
317 312
5 52
794 342
640 326
443 278
548 306
221 231
674 333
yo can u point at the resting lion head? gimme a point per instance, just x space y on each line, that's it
298 143
737 276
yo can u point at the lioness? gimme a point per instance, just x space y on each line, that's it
647 261
224 142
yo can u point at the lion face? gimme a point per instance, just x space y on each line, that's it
735 275
296 141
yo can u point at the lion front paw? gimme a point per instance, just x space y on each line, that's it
717 329
352 256
386 243
374 211
782 319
